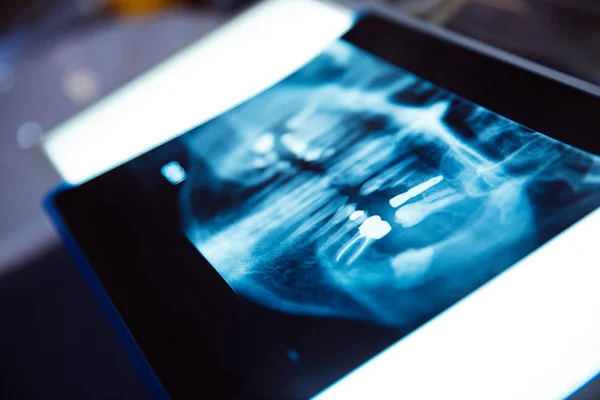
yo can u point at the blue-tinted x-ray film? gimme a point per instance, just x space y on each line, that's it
356 190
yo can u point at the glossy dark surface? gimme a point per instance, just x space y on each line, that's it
55 342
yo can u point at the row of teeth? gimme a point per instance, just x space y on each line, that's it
369 229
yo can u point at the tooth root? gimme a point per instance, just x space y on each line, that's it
337 236
384 179
312 221
340 215
365 244
347 246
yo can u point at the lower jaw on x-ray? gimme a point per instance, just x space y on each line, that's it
355 190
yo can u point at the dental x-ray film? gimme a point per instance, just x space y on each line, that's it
355 190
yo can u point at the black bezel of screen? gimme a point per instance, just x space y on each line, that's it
130 243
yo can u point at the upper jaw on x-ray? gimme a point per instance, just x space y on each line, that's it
357 190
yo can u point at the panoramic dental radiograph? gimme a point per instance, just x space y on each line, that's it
356 190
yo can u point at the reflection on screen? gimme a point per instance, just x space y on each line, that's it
356 190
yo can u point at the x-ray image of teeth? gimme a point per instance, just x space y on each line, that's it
356 190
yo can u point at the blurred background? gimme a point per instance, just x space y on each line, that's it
59 57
